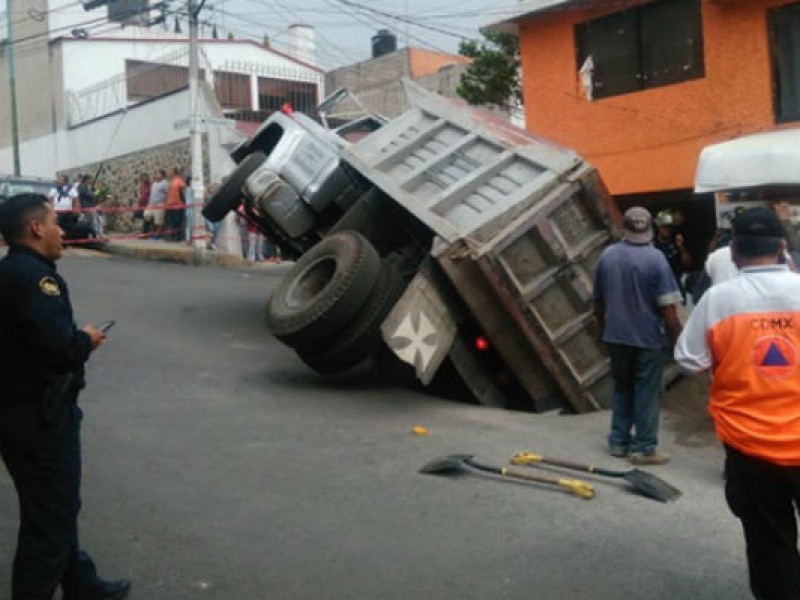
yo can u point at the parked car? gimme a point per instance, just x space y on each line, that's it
11 185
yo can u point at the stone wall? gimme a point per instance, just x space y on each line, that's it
120 176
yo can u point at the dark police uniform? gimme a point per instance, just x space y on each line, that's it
42 354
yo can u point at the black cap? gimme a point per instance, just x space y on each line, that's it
757 223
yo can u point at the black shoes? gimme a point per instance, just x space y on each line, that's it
102 590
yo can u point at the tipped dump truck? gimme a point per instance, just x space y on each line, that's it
445 238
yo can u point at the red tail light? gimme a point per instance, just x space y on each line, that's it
287 109
481 344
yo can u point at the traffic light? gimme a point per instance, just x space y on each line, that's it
92 4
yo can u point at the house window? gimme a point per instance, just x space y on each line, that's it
149 80
274 93
643 47
784 32
233 89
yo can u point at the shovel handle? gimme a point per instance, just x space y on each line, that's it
580 488
529 458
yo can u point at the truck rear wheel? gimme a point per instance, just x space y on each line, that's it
326 287
229 195
362 336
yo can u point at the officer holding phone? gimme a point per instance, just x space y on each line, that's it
42 356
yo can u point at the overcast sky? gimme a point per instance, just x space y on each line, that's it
344 29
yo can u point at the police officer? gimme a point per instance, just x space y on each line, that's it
42 354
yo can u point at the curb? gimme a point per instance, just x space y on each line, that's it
183 254
178 254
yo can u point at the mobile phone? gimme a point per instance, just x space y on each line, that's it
106 325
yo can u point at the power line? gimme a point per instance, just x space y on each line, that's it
403 19
335 47
384 23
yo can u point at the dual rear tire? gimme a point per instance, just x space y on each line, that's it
329 307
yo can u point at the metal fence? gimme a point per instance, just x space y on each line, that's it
246 90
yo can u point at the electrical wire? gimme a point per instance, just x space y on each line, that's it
329 44
402 19
382 22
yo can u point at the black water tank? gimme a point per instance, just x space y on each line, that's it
383 42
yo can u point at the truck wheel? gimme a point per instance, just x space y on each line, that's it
229 195
357 340
326 287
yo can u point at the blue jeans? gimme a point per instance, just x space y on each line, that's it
637 387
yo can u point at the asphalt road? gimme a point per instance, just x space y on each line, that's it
218 466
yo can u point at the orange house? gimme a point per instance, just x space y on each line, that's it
639 87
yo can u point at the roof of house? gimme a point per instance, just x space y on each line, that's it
204 41
533 8
425 62
421 61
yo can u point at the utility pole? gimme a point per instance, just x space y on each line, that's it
195 130
408 24
12 89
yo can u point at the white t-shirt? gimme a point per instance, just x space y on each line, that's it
62 196
720 266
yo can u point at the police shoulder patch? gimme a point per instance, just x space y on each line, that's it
49 286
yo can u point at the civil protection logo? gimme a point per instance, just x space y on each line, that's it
775 357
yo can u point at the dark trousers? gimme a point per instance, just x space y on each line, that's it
765 496
173 222
44 461
637 389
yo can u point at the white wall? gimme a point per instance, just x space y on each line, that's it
92 61
145 126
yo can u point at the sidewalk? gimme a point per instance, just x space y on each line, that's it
181 252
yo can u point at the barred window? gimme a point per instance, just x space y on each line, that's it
648 46
784 30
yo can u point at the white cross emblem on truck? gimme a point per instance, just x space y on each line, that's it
409 342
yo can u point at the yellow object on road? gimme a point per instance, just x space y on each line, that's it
419 430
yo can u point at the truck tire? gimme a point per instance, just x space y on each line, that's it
362 336
326 287
229 195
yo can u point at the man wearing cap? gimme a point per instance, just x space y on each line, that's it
747 332
635 303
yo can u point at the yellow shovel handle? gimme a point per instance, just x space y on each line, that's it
580 488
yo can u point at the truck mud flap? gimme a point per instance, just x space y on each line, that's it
420 329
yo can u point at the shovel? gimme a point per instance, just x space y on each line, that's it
642 482
457 463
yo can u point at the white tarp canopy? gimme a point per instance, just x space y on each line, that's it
762 159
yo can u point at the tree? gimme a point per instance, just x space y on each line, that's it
493 75
266 41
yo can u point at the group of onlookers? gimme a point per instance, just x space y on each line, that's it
256 246
164 205
745 331
76 206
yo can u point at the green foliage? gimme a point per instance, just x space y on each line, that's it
493 75
230 35
266 42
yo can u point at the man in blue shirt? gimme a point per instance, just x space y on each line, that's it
635 300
